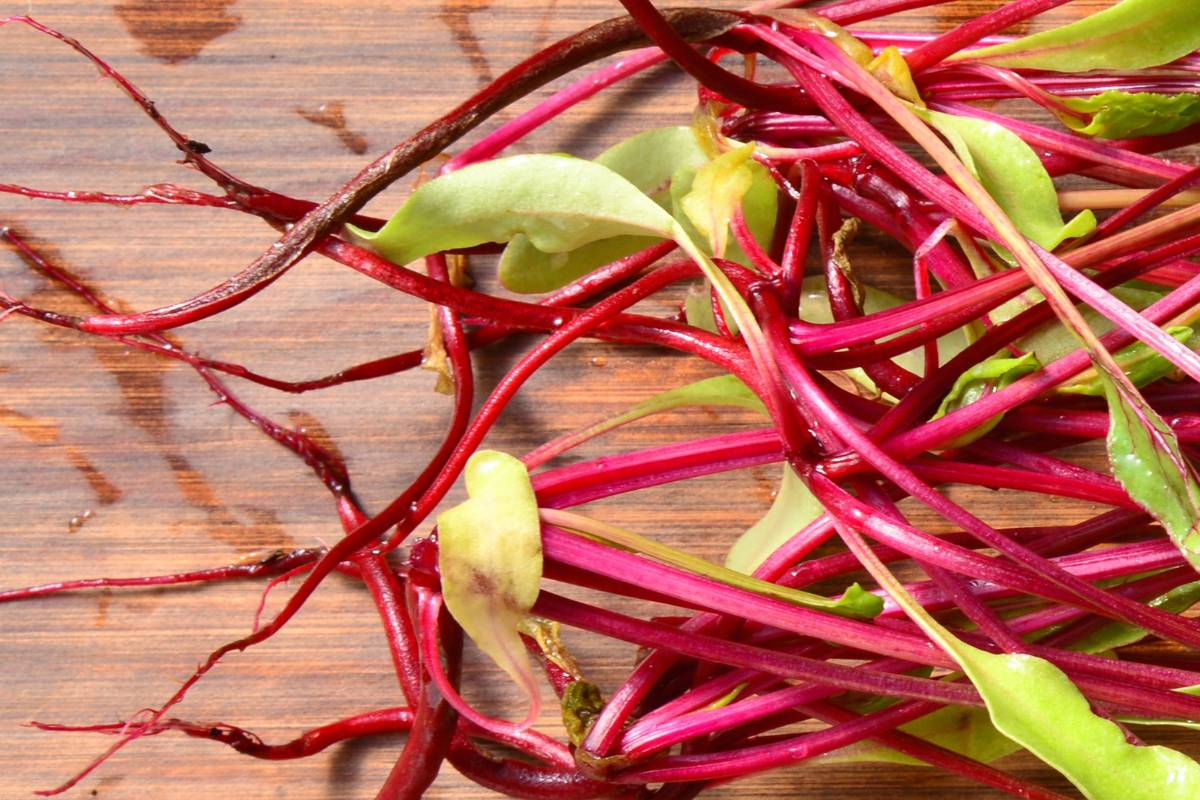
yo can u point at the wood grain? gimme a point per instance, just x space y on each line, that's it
116 463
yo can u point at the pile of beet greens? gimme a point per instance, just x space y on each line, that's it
1040 318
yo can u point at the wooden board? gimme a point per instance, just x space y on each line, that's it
117 463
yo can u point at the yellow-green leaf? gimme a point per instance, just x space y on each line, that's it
716 193
490 560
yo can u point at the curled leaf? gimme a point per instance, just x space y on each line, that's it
890 69
545 633
558 202
581 704
847 42
1131 35
490 560
760 205
1013 175
979 381
1122 115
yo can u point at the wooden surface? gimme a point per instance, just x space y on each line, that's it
116 463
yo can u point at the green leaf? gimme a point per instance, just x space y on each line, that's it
1130 35
558 202
1124 115
697 308
970 732
1120 634
490 560
1032 702
1146 460
662 163
1140 362
760 205
649 161
759 208
1174 723
719 390
1013 175
793 508
979 381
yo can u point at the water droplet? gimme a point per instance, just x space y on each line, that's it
557 322
599 361
79 521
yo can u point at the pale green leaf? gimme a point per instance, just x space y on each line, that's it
649 160
662 163
793 508
558 202
760 205
966 731
490 560
1131 35
524 268
1052 340
1123 115
1013 175
970 732
1173 723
